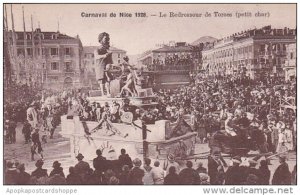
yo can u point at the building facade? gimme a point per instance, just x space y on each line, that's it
48 59
89 62
255 53
290 63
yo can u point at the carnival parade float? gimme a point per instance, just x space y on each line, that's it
155 140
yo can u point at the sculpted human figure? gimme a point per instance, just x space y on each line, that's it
103 58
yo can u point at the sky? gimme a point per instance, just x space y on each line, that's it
137 35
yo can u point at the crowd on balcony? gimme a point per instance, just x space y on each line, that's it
172 62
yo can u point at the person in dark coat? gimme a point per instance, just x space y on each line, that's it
282 175
189 176
251 169
200 168
57 169
12 125
90 178
264 173
11 174
215 168
107 176
36 144
124 159
233 173
100 165
123 177
23 177
73 178
26 131
39 171
172 178
136 174
57 179
82 167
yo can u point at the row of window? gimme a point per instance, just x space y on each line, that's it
29 36
53 51
55 66
91 55
231 52
276 61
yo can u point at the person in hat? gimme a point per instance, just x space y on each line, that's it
36 144
11 174
90 178
26 131
171 163
12 125
73 178
57 179
23 177
189 176
136 174
124 159
39 171
233 173
215 167
264 173
282 175
100 164
57 169
172 178
82 167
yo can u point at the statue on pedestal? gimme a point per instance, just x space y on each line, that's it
103 58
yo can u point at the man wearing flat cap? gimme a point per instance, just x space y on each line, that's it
233 173
57 169
23 177
82 167
11 173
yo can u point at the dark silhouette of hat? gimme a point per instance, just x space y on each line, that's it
56 164
126 58
39 163
79 156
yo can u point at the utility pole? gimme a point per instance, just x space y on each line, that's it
25 47
14 53
145 143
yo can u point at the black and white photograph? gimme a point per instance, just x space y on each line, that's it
150 94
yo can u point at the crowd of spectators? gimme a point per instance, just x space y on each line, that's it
125 171
172 62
